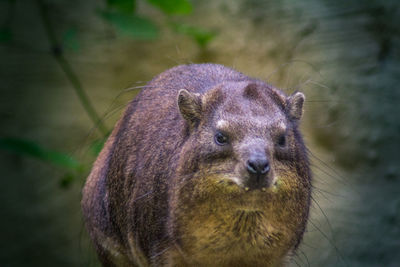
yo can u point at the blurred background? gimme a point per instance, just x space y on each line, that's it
68 68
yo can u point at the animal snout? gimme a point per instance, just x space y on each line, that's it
258 168
258 165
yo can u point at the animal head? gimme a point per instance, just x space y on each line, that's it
247 132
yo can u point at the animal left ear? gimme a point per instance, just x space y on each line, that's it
295 105
189 105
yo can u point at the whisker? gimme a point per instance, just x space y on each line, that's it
313 67
330 242
326 217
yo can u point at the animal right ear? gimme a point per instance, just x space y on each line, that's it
190 106
295 105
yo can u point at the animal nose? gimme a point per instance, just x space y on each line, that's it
258 165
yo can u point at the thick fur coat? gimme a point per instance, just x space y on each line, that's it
206 167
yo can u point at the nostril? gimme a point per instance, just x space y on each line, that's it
258 166
266 167
251 167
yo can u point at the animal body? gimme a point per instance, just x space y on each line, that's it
207 167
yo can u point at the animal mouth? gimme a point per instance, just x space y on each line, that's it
236 182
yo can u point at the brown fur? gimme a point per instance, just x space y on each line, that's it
163 193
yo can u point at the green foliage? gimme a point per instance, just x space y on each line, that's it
122 6
131 25
30 148
177 7
201 36
120 14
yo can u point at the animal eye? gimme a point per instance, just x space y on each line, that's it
281 140
220 139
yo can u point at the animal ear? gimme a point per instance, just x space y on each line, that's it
190 106
295 105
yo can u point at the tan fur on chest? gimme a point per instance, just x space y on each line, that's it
228 226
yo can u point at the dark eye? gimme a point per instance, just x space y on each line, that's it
281 140
220 139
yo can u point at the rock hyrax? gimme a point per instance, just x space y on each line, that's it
207 167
